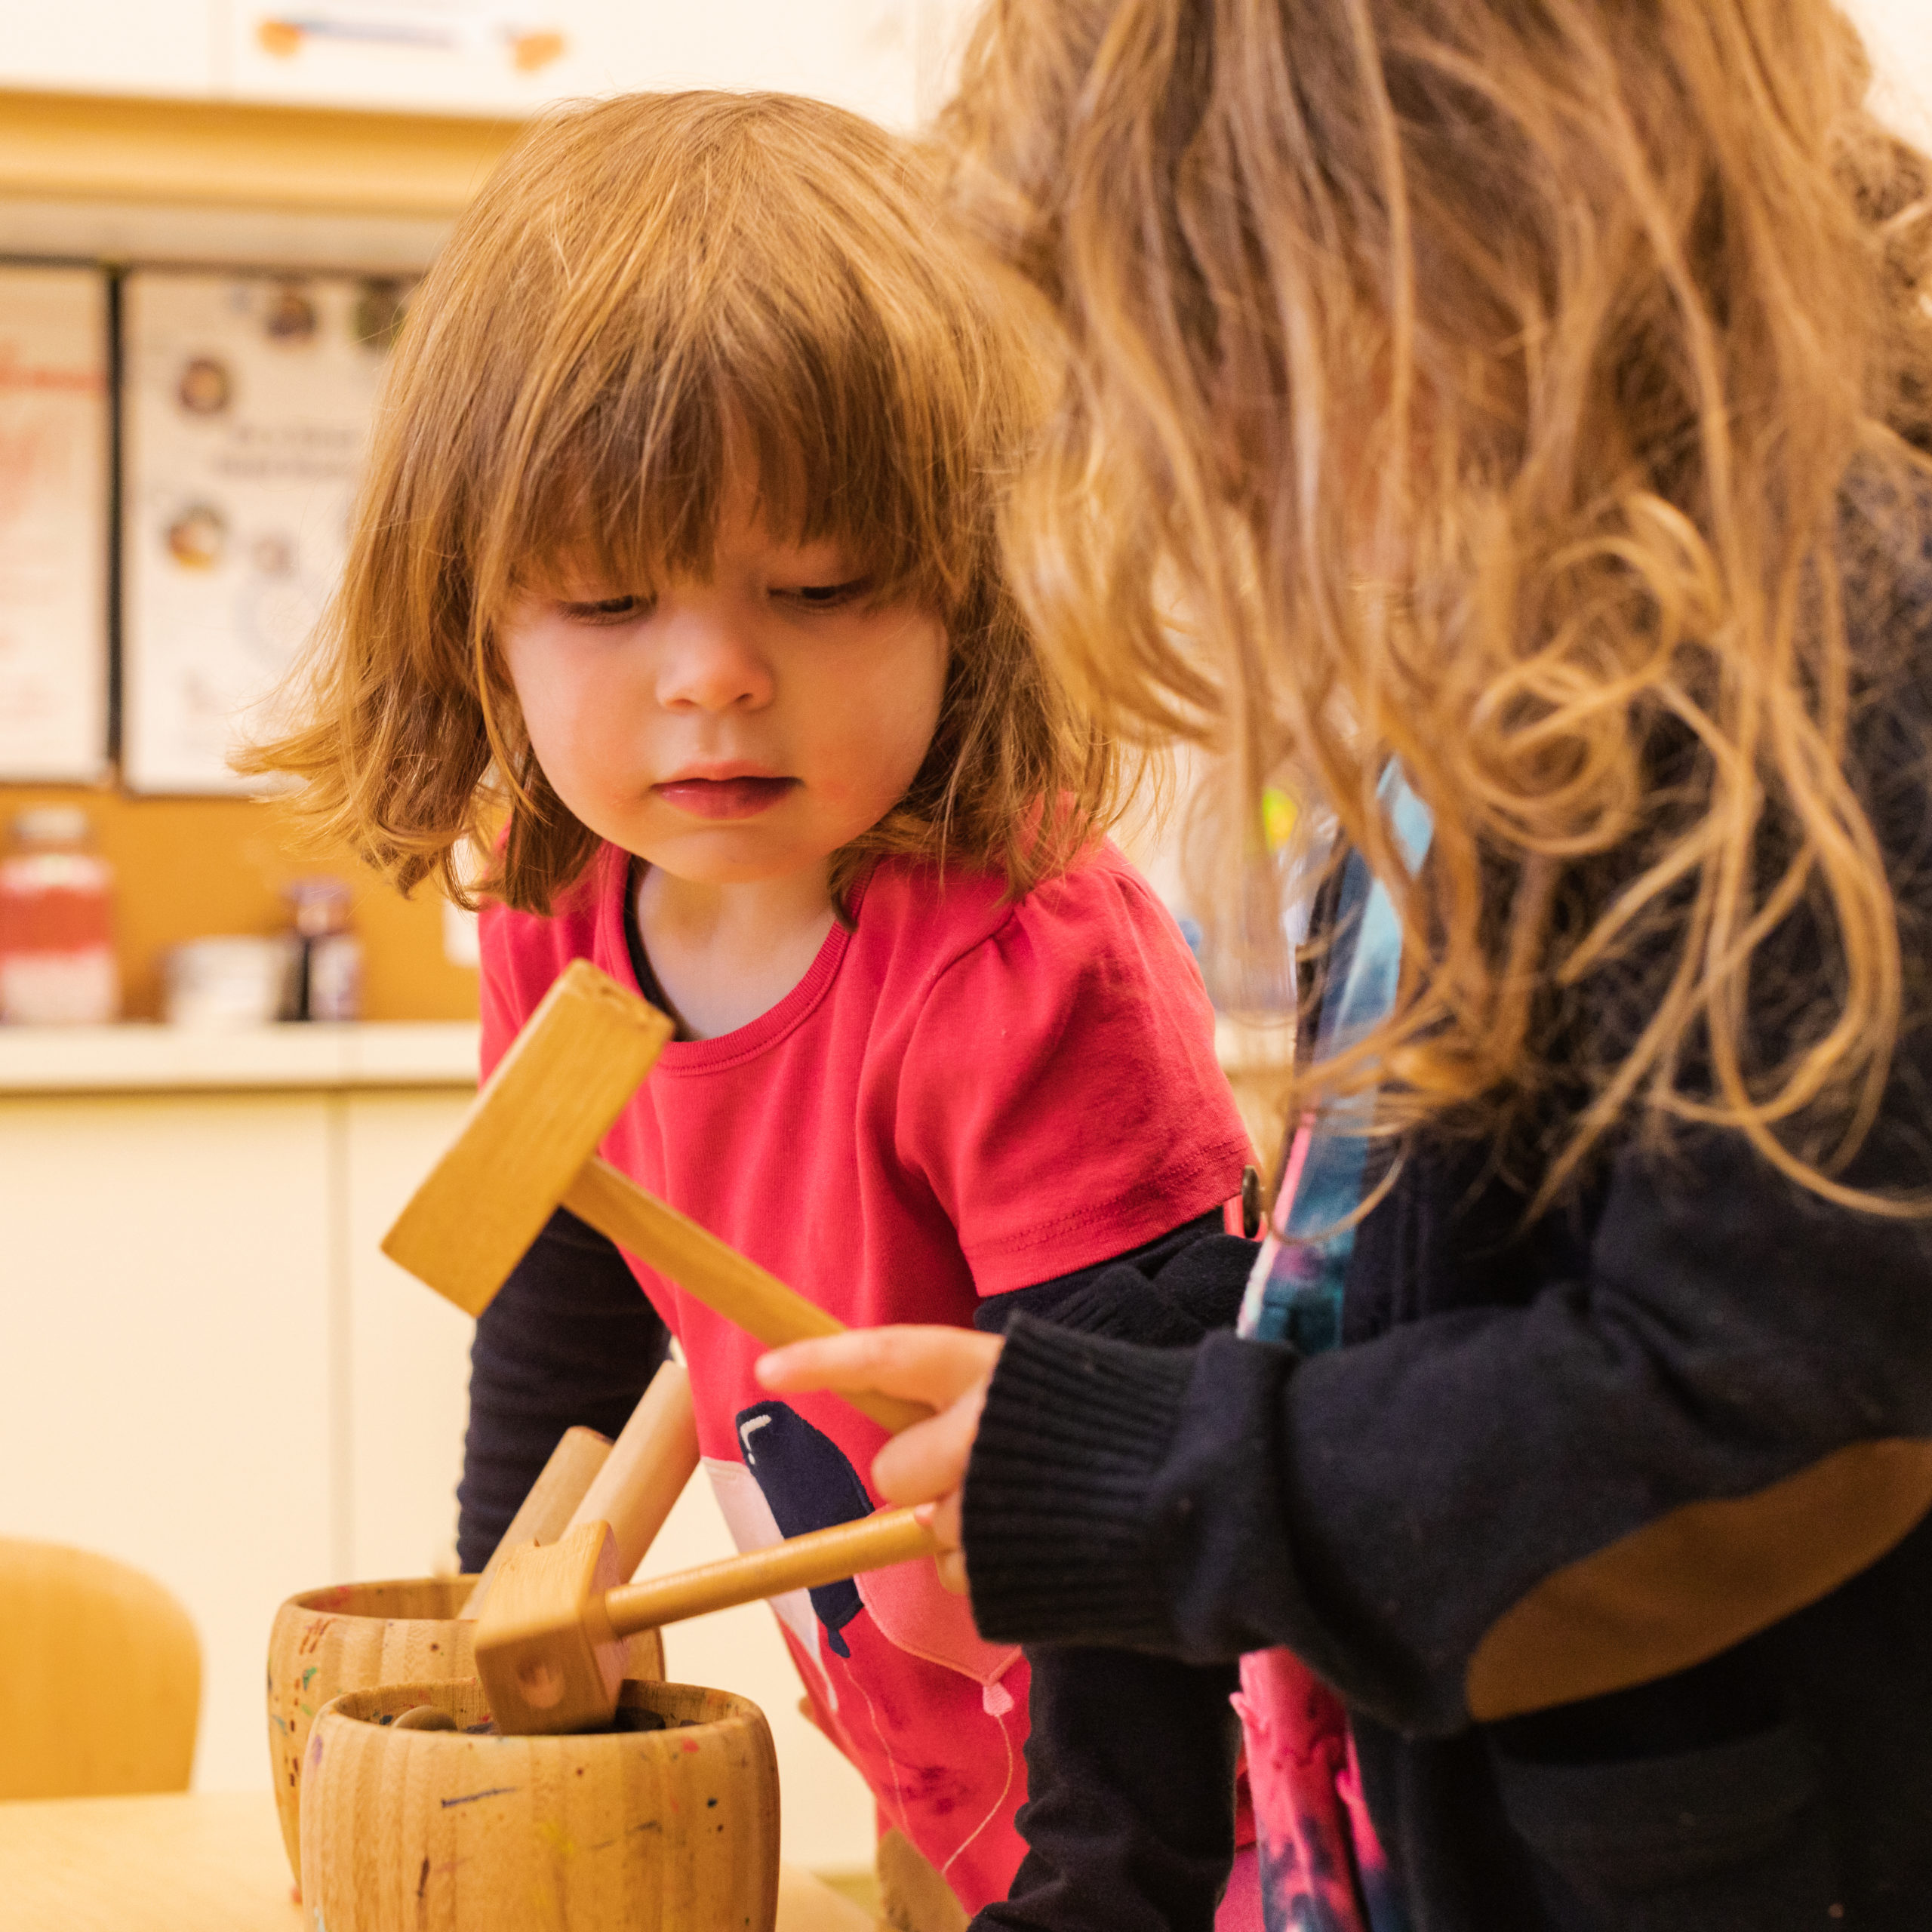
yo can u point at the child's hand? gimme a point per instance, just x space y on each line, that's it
949 1368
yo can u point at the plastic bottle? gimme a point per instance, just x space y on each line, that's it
326 982
57 966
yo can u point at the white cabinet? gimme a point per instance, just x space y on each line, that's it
208 1369
164 1348
406 1351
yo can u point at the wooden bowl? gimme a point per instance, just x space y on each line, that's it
358 1637
673 1830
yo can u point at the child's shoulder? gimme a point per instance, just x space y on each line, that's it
1099 915
524 952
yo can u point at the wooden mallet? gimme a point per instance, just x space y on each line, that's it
549 1508
528 1145
550 1648
633 1484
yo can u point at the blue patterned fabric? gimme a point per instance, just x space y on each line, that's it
1322 1867
1295 1293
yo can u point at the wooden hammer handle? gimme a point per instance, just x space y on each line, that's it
646 1469
549 1508
799 1563
729 1283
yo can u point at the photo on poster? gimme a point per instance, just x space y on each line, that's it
53 524
247 405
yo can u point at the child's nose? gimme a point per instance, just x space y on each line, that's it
710 664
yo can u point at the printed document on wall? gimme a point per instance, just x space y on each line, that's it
512 57
472 55
248 404
53 519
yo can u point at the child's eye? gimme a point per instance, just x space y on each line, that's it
825 596
607 610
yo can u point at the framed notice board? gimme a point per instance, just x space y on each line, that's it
247 403
53 524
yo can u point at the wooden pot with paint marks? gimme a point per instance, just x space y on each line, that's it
360 1637
671 1827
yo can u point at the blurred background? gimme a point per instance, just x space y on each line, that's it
224 1064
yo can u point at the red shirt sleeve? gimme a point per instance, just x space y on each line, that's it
1060 1090
523 953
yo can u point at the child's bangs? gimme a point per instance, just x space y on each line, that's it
780 326
632 506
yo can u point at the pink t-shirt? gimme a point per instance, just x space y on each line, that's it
961 1096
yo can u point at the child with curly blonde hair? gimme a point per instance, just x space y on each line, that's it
1530 399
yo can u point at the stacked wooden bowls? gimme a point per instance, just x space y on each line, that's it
360 1637
669 1830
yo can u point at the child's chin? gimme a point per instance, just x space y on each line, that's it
736 854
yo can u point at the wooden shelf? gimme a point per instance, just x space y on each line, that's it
221 154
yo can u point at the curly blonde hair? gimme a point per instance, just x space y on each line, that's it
1483 380
647 291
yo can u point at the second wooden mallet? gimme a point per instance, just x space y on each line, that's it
550 1648
529 1146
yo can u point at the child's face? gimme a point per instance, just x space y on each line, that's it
738 729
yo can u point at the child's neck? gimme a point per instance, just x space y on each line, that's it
725 954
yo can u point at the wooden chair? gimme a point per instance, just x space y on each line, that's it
913 1896
100 1677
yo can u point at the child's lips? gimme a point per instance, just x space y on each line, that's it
724 798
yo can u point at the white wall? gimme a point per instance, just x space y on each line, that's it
886 58
154 47
1898 33
882 57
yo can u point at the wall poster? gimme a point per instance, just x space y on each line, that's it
53 524
247 403
512 57
476 55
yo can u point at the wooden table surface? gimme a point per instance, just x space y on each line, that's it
211 1862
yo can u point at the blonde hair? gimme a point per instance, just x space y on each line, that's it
1489 378
647 292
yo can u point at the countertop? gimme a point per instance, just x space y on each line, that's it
137 1058
150 1058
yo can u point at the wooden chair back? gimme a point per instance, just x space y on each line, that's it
100 1677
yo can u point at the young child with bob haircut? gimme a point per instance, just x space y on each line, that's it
1531 401
677 562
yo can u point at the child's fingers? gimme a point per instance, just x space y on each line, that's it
928 1460
942 1518
946 1368
931 1365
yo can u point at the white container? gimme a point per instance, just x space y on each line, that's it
215 984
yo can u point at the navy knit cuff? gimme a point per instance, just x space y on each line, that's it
1059 1516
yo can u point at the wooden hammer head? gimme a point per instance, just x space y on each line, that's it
545 1654
584 1052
